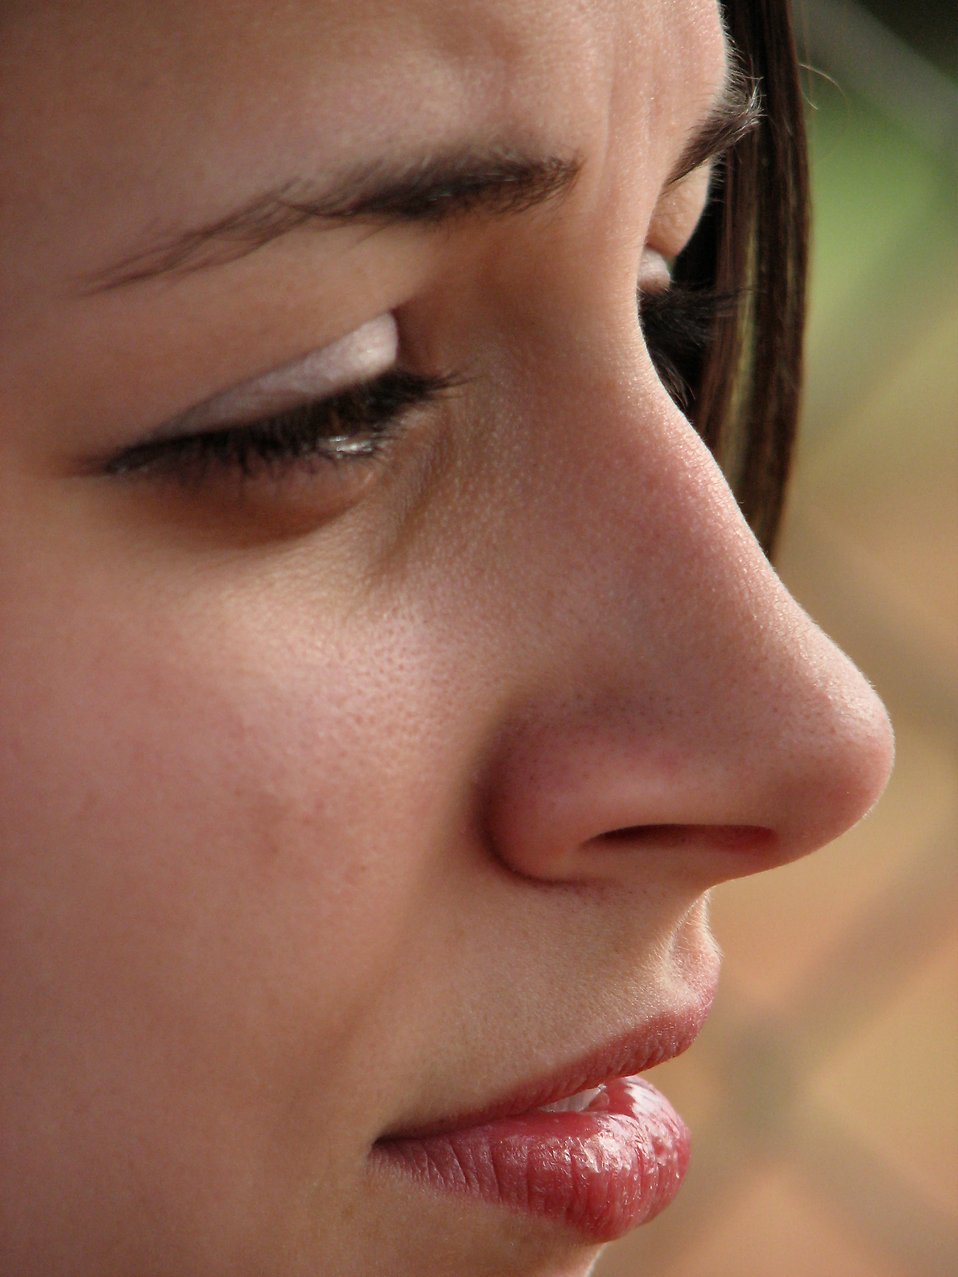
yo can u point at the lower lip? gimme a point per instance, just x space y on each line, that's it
601 1172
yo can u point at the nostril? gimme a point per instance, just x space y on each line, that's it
740 838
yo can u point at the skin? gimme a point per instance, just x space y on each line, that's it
311 785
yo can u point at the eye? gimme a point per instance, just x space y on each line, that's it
349 427
678 323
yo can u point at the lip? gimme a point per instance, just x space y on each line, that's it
601 1171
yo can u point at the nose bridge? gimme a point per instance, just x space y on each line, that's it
679 686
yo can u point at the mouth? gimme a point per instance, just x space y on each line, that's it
594 1146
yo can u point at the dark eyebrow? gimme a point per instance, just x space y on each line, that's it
736 113
497 183
433 191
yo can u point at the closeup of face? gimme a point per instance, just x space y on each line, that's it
363 774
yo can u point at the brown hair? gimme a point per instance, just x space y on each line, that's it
753 243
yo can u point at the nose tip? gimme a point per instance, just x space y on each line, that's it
581 797
726 732
841 751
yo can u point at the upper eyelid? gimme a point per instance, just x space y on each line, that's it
360 356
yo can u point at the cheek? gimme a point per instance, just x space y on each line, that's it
193 821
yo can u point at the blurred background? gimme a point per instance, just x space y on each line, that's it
823 1094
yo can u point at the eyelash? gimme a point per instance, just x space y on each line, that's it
354 425
678 325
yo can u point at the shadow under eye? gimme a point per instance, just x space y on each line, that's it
227 511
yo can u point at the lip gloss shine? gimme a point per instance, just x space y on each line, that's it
601 1171
594 1147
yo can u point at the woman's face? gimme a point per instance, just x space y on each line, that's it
354 786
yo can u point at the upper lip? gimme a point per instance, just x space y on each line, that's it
653 1042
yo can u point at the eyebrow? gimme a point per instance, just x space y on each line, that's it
430 191
494 183
737 113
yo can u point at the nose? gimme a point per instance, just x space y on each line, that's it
680 707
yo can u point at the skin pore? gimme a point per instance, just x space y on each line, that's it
342 794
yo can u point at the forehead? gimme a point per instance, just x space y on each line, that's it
135 113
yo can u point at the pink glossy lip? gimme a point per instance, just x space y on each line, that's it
601 1171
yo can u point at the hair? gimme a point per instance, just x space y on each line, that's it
752 245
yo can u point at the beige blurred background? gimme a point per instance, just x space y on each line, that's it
823 1095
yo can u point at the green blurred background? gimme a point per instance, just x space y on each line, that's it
824 1093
